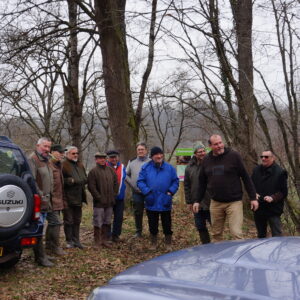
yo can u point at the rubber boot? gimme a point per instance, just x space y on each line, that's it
53 240
40 255
47 239
108 231
168 242
153 242
76 236
138 219
104 234
97 237
204 236
68 233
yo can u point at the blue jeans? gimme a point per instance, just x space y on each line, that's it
118 210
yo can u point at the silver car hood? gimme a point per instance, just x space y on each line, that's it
250 269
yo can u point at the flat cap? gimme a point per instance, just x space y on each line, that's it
58 148
112 153
100 154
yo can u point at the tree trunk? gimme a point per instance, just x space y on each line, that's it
71 88
110 21
242 11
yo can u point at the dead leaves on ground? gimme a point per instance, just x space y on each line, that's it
77 273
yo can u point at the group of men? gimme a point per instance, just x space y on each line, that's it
217 178
61 186
212 185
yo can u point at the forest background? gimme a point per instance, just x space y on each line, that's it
102 74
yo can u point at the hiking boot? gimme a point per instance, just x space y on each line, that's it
153 242
168 242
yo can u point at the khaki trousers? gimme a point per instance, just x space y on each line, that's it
233 211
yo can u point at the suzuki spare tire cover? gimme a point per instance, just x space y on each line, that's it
16 204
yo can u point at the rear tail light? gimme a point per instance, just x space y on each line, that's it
29 241
37 207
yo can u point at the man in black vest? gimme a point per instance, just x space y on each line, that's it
270 182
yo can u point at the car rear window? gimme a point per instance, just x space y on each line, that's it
11 161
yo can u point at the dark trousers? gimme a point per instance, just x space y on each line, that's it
201 218
262 221
138 210
118 210
166 221
72 215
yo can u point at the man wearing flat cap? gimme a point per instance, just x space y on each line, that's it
158 182
103 186
113 161
57 203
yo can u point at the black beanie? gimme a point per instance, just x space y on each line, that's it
155 150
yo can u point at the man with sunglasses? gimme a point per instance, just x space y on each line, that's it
270 182
75 179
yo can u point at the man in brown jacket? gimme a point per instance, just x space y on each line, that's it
43 175
103 185
57 203
75 180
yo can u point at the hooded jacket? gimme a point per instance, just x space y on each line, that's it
192 185
155 182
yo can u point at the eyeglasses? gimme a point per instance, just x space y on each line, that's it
264 156
75 153
201 151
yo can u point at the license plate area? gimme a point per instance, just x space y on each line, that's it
1 251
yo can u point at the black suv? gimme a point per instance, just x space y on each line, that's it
19 204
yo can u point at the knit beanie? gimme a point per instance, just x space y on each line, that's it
156 150
198 145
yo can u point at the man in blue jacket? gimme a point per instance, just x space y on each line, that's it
158 181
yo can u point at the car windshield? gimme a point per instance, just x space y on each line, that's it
11 161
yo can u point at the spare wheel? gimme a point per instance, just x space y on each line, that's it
16 204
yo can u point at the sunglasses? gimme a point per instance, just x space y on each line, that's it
264 156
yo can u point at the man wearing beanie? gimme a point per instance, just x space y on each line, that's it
191 191
158 182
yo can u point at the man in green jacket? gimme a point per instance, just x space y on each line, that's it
75 180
